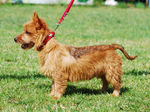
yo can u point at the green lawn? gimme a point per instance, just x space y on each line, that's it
23 88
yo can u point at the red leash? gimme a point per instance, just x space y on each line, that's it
65 13
61 19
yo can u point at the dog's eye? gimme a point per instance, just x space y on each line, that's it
28 32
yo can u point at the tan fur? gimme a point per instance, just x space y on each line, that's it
62 63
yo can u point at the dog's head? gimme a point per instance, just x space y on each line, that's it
33 34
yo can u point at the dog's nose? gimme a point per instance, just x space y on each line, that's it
15 39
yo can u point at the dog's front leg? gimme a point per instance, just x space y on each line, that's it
52 89
60 86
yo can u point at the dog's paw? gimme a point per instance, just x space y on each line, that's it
52 94
115 93
56 98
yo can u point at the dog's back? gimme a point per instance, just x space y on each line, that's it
93 65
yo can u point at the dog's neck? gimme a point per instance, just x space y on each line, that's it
49 47
44 39
52 43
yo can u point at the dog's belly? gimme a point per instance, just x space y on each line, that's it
85 72
81 77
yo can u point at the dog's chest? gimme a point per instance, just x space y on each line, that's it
54 62
48 64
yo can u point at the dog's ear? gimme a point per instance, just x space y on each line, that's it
37 21
35 17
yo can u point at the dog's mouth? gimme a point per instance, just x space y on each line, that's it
27 46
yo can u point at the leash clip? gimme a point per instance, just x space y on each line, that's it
57 27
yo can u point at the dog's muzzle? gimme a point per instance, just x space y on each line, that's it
15 39
27 46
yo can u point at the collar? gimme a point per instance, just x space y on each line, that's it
51 35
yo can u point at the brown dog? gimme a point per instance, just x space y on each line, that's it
62 63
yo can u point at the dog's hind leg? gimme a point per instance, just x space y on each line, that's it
114 77
116 83
105 84
116 86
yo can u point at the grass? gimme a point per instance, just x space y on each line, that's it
122 5
24 89
140 5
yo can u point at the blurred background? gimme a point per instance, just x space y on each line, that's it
120 3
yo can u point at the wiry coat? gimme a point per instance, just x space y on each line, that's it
64 63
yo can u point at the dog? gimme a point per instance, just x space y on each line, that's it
64 63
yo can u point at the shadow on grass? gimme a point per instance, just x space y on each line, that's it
123 90
71 90
20 77
74 90
136 72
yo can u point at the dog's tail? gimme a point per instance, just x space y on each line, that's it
117 46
